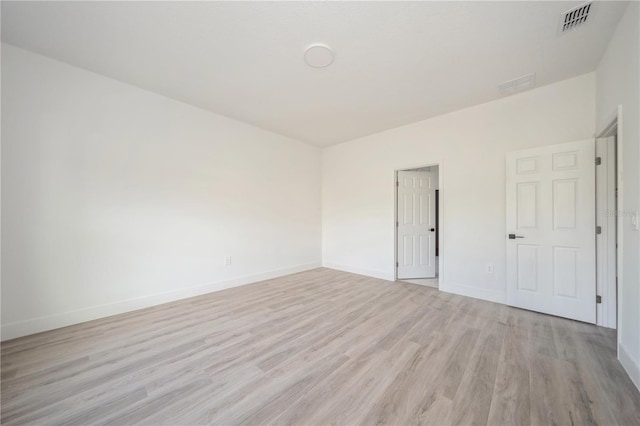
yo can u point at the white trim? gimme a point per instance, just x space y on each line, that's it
609 128
605 242
439 164
614 126
632 369
375 273
475 292
37 325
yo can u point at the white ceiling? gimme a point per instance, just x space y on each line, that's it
395 62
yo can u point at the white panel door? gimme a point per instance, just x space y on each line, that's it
416 225
551 230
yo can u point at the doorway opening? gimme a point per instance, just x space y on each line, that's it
608 244
417 225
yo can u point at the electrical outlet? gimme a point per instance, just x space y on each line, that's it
227 260
635 221
489 268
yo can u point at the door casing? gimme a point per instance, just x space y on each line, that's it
613 127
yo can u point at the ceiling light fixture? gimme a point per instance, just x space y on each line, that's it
318 55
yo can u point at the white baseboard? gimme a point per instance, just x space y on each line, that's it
37 325
475 292
632 368
375 273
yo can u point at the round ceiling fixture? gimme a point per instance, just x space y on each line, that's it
318 55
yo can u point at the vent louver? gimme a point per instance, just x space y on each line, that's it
516 85
573 18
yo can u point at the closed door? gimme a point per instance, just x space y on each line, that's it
551 230
416 225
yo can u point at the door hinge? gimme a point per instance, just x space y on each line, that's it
397 224
598 161
397 183
598 230
598 299
397 264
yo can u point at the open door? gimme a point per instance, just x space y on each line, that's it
416 225
551 230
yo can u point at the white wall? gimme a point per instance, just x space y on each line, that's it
358 189
618 83
115 198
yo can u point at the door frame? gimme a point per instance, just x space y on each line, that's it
613 127
437 163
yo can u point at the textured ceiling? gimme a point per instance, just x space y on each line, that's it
396 62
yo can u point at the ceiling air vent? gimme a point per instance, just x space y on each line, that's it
519 84
573 18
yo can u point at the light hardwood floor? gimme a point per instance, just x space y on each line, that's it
320 347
